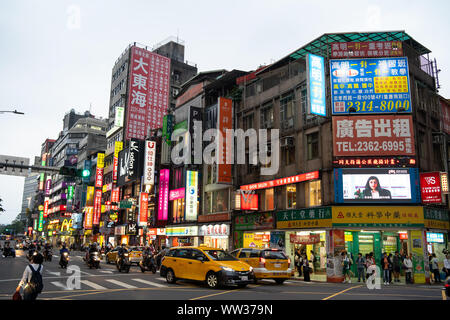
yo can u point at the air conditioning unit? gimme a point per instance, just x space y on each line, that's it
286 142
437 139
288 123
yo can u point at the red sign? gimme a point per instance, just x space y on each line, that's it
430 187
143 208
225 121
152 232
403 236
192 92
249 202
45 209
360 162
88 217
97 206
445 106
373 135
115 193
214 217
148 92
306 239
99 178
281 182
366 49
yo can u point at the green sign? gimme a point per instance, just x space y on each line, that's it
181 125
257 221
168 128
125 204
435 214
304 214
41 221
70 192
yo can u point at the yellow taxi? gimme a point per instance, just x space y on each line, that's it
213 266
266 263
135 255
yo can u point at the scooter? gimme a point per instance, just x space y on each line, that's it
64 260
93 260
48 255
123 263
9 252
148 263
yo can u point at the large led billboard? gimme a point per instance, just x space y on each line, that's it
376 185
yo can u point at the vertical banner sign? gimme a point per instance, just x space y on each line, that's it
163 200
315 80
118 120
148 92
168 124
134 160
418 257
118 146
41 221
195 114
48 186
191 195
115 193
41 182
99 177
377 85
90 196
149 162
225 121
70 192
430 187
88 217
45 208
143 209
35 224
97 206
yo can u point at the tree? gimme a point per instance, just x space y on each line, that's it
1 206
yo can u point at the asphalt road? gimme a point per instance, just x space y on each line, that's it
107 283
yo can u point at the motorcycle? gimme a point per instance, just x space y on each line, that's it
9 252
48 255
123 263
148 263
93 260
64 260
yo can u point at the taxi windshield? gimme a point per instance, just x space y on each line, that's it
219 255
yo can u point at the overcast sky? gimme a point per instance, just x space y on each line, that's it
58 55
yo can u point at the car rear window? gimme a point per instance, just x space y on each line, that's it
269 254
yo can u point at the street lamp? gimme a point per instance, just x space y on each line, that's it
15 111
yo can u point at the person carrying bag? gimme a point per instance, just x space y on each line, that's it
32 279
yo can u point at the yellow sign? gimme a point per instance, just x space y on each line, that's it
298 224
100 160
391 84
378 216
118 146
66 225
252 240
90 196
437 224
418 256
105 188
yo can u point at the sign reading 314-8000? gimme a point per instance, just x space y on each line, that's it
377 85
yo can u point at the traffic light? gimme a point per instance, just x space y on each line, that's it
68 171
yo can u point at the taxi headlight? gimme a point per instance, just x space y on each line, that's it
251 269
227 269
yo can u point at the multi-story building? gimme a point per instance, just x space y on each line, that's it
380 118
30 186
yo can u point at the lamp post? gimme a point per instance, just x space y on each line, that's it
15 111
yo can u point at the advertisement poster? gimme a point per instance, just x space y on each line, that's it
430 187
315 81
225 122
191 195
372 85
277 240
258 221
374 185
366 49
163 196
373 135
334 259
418 256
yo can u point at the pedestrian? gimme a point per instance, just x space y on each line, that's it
391 266
431 268
407 263
435 268
361 263
397 262
298 262
313 261
306 268
32 278
346 267
447 265
385 267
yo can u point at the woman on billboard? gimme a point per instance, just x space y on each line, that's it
374 191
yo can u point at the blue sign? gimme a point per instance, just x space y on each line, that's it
373 85
316 85
435 237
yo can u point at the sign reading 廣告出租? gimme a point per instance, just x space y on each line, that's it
372 85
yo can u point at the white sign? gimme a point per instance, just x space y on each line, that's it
191 195
182 231
118 120
215 230
149 162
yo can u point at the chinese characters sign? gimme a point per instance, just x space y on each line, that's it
370 85
148 92
430 187
305 218
257 221
149 164
191 195
163 197
281 182
143 208
436 218
97 206
373 135
225 122
366 49
378 216
315 79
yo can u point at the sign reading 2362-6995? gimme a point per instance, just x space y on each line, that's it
372 85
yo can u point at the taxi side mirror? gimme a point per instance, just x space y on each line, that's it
202 259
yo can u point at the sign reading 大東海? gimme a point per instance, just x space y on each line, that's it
378 216
304 218
377 85
373 135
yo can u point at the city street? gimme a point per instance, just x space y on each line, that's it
107 283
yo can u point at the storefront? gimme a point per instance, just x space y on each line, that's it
214 230
183 236
253 230
156 237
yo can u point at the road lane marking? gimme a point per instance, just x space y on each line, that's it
105 271
150 283
121 284
59 284
92 285
223 292
340 292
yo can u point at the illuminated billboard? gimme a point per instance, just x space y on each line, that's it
315 81
377 185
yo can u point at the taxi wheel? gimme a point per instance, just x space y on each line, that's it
280 281
170 276
211 280
255 281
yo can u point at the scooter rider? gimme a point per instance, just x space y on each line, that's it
121 251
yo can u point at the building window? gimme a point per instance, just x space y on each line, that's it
313 193
287 111
313 145
247 122
291 196
289 155
266 116
178 210
217 201
269 199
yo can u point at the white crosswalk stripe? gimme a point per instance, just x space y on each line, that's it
106 271
149 283
121 284
92 285
59 284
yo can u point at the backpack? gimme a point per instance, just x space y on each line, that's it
35 282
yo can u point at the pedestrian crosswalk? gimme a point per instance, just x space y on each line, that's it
108 284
